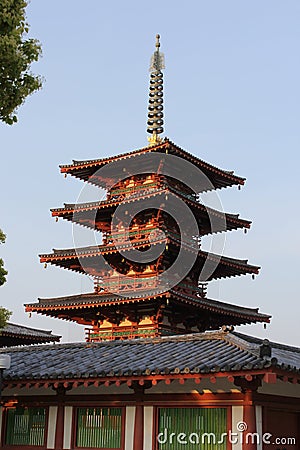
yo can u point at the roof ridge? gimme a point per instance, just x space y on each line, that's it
207 335
242 344
48 332
273 344
166 142
229 337
114 157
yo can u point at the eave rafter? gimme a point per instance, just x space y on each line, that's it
270 374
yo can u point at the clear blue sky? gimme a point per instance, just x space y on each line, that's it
231 97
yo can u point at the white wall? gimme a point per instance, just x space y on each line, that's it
237 416
68 426
51 427
129 427
148 427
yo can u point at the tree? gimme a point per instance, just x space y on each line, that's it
4 313
3 272
4 317
16 56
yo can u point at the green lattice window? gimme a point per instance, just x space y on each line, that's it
26 426
192 428
99 428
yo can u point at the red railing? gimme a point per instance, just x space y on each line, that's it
119 284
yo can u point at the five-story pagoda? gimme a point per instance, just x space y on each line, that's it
150 272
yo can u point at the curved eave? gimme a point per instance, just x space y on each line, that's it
81 217
66 307
86 252
84 169
79 213
238 314
13 340
251 314
261 368
224 266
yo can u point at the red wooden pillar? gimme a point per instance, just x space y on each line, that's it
249 417
59 432
138 437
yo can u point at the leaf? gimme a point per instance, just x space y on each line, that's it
16 57
4 316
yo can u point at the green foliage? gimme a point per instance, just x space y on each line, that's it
4 316
4 313
16 56
2 237
3 272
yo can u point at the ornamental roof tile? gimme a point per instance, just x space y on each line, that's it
209 352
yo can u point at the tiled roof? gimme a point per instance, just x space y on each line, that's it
82 301
218 177
209 352
14 334
223 266
82 211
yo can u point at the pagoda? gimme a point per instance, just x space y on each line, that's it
150 271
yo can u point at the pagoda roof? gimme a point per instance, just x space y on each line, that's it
198 355
13 334
69 306
79 213
219 178
70 258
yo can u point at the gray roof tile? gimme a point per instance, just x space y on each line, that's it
207 352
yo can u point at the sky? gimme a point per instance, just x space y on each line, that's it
232 98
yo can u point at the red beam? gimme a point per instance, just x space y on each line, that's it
269 374
138 438
270 378
250 421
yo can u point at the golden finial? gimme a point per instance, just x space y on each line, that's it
155 108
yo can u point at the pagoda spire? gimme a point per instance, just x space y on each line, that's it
155 107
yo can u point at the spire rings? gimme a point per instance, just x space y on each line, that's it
155 106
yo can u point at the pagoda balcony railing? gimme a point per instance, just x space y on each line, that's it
193 197
135 188
127 332
153 231
137 232
156 184
120 285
